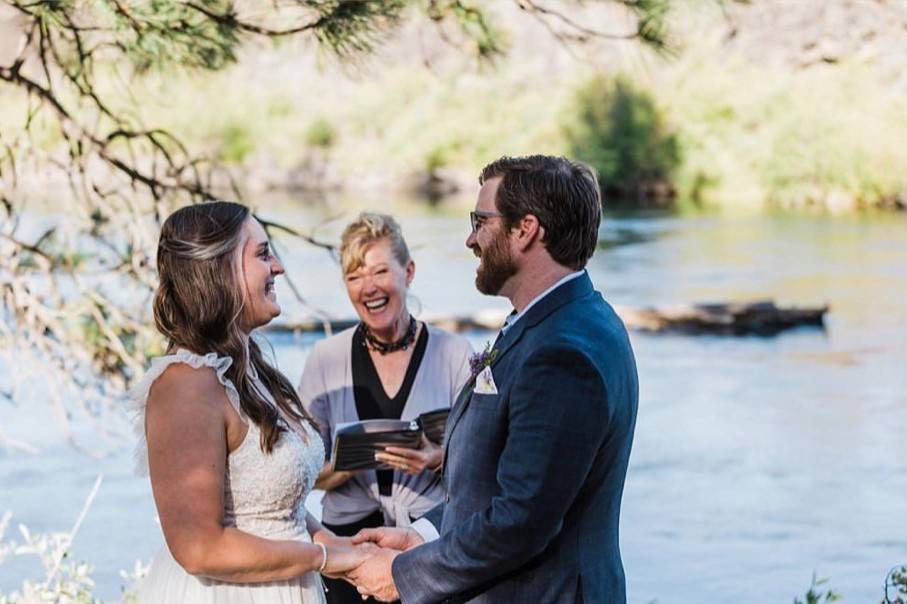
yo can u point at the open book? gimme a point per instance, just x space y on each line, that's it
355 443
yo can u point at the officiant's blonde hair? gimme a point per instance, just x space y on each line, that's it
365 231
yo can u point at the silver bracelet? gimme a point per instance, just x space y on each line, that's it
324 557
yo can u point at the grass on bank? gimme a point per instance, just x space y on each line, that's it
730 133
829 137
733 134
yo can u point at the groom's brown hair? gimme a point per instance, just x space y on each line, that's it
564 196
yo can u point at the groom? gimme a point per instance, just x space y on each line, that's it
537 444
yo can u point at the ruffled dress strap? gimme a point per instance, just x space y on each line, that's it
138 395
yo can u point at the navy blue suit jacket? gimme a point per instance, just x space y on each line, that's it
535 473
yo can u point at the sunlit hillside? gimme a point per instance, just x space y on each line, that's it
770 105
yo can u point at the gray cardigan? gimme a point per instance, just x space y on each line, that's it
326 390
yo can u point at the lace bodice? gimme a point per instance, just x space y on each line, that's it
264 494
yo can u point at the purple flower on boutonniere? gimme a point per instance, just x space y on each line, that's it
481 360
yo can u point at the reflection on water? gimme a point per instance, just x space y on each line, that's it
756 460
615 235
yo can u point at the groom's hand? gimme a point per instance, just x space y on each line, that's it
374 578
400 539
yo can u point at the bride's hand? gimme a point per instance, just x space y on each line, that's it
344 558
329 539
413 461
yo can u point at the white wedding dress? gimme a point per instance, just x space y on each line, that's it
264 495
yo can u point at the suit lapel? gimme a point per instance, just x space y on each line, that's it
457 410
504 344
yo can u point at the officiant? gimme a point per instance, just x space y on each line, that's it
389 366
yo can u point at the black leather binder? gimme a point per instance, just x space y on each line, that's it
355 443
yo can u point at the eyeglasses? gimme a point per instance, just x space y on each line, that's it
477 219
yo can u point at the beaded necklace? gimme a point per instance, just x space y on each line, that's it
386 347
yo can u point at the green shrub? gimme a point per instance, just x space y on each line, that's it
618 129
321 134
436 158
235 143
817 594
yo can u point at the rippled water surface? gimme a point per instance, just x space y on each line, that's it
756 461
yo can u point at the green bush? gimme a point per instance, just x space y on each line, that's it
817 594
235 144
437 157
618 129
320 134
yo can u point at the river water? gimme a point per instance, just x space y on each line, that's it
757 461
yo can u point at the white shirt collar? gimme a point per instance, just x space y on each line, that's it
513 318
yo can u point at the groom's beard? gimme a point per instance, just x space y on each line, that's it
497 265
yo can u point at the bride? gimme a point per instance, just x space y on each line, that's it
230 450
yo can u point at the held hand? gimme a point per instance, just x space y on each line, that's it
412 461
400 539
344 558
330 539
374 578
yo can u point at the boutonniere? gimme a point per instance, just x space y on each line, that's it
482 380
480 360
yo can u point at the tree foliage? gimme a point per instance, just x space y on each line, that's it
896 586
75 293
618 130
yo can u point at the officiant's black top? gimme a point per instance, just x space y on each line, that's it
372 402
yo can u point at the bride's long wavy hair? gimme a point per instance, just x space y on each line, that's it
200 302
